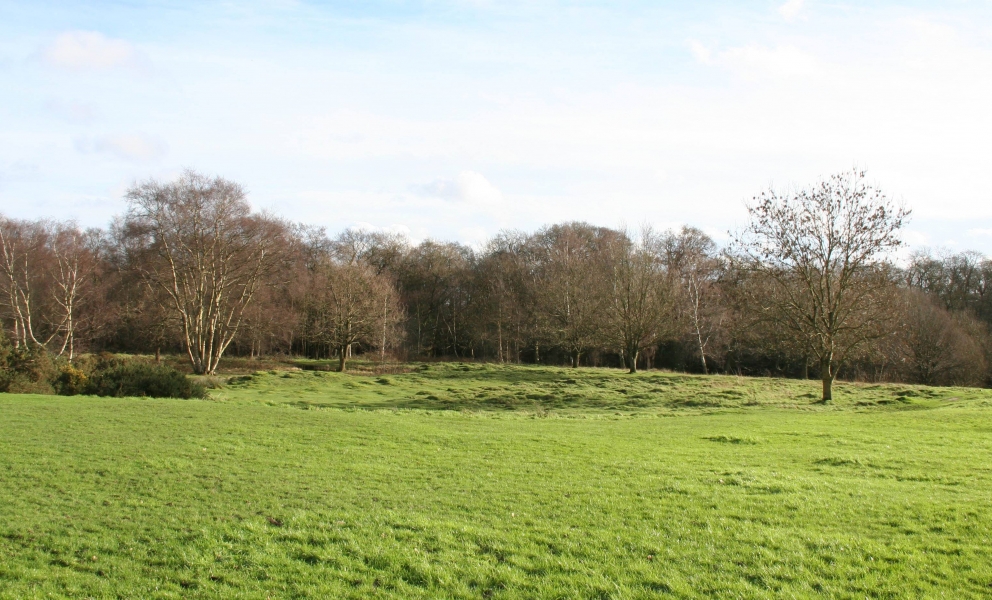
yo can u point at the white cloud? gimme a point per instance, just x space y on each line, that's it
469 188
74 112
90 50
475 237
132 147
700 52
980 232
791 9
756 61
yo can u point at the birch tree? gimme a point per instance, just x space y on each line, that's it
21 245
691 256
197 240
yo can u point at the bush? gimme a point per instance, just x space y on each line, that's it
71 381
26 370
36 371
132 378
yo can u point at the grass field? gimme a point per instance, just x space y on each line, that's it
481 481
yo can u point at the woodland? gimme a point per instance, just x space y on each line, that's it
813 286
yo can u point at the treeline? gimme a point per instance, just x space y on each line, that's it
189 268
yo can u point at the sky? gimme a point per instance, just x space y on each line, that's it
455 119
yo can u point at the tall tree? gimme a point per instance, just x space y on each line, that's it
47 271
22 268
823 250
351 304
691 257
641 300
503 304
571 285
72 268
435 284
197 240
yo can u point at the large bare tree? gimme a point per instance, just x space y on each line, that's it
351 304
641 300
197 240
823 251
571 285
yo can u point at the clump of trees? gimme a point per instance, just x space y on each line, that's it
809 288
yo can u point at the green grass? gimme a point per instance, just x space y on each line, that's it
481 481
565 391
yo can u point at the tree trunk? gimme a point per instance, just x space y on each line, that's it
576 355
632 359
827 376
702 349
343 359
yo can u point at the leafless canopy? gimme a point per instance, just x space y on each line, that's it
197 241
823 251
641 300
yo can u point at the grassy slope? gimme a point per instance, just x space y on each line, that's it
564 391
686 491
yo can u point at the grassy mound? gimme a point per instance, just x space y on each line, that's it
565 391
691 492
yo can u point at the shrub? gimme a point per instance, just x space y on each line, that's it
26 370
132 378
71 381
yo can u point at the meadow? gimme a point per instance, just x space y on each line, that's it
487 481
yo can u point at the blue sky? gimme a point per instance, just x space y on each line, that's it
455 119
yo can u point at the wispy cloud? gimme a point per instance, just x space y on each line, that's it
791 9
74 112
85 50
131 147
757 61
469 188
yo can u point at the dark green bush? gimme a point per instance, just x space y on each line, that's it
134 378
25 370
36 371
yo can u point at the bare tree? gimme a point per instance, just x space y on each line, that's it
641 301
350 304
504 301
197 241
691 256
46 269
571 286
937 348
823 250
71 269
21 266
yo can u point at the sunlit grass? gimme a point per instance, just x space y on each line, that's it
499 482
